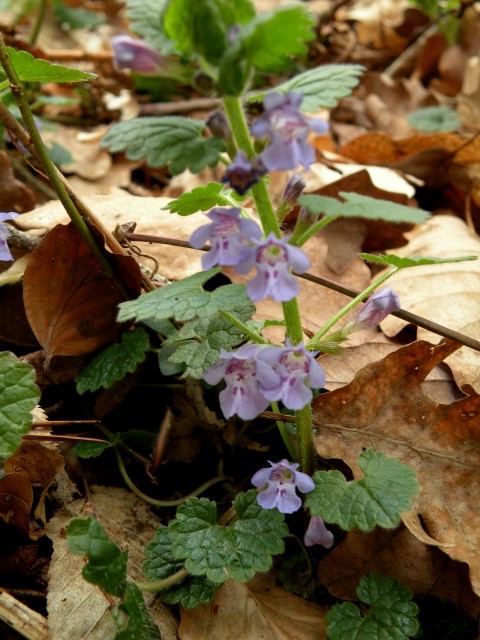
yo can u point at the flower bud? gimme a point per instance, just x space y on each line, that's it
376 309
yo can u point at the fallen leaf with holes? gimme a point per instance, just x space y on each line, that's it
448 294
385 408
70 303
256 609
78 609
422 568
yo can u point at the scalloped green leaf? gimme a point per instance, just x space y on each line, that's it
90 449
183 300
236 552
19 395
171 141
392 615
404 263
378 499
31 69
138 624
107 566
114 362
323 86
358 206
200 199
274 37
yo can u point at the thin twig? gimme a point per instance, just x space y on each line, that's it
331 284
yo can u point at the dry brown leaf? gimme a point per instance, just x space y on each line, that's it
384 408
448 294
422 568
119 207
78 609
341 369
70 303
257 609
14 195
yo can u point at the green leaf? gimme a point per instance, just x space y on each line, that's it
219 553
434 119
378 499
76 18
114 362
90 449
274 37
183 300
138 624
358 206
403 263
19 395
191 593
171 141
145 18
196 28
323 86
107 566
200 199
30 69
392 615
59 155
198 343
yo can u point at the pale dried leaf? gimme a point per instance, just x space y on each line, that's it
257 609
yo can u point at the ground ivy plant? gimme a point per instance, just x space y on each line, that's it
210 334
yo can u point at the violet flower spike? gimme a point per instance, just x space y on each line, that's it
298 372
242 372
5 253
287 129
243 173
273 259
229 235
317 533
280 482
376 309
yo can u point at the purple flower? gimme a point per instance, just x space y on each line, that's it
280 482
5 253
317 533
376 309
243 173
296 367
131 53
273 258
287 128
293 189
243 373
229 235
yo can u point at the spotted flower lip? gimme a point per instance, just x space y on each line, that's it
229 235
243 373
287 128
295 367
317 533
273 258
280 482
5 253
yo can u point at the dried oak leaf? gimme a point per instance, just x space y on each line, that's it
385 408
70 303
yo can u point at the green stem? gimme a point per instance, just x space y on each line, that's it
348 307
243 327
291 312
48 166
160 585
163 503
302 237
38 21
